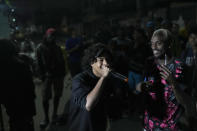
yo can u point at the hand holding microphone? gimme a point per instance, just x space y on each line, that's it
107 71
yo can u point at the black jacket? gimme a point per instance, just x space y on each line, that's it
79 118
50 61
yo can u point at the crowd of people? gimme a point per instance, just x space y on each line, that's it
159 61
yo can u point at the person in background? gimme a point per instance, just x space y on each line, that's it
189 98
138 53
52 71
150 27
190 52
74 48
177 44
17 92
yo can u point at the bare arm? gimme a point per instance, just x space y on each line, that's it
93 97
180 95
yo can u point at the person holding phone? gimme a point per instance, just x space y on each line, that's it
163 79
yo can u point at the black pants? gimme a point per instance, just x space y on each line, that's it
21 123
21 115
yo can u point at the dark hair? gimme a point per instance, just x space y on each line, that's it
94 51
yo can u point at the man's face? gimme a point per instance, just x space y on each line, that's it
50 38
157 47
99 64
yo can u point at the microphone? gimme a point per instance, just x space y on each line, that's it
119 76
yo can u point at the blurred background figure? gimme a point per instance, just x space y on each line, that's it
17 90
52 71
74 50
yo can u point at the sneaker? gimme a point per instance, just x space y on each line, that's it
44 124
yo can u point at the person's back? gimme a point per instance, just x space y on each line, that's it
17 93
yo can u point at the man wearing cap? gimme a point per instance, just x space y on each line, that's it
52 71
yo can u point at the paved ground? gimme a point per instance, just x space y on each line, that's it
127 124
